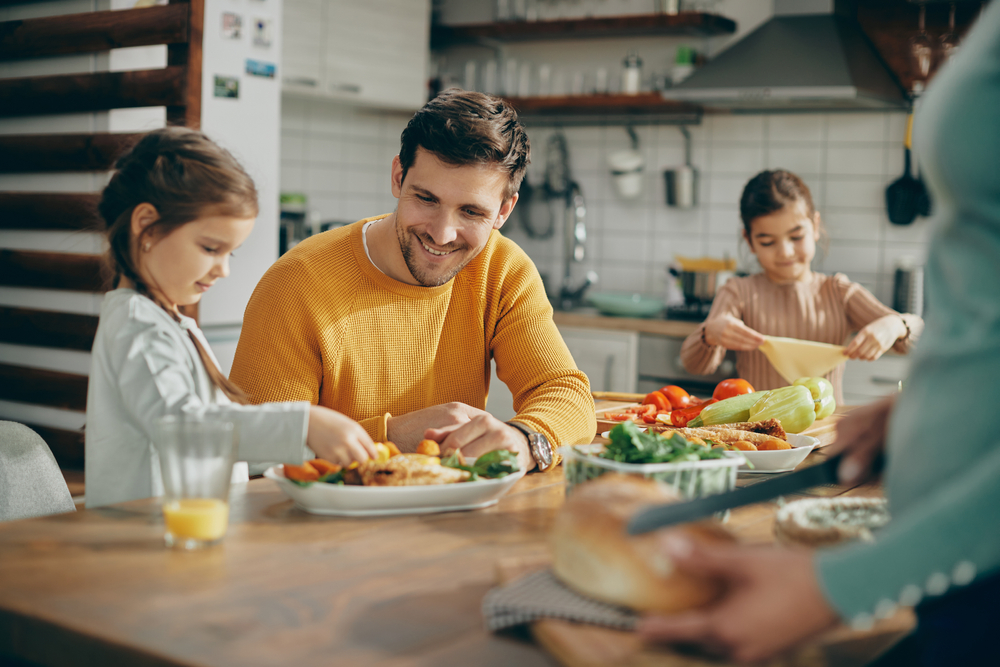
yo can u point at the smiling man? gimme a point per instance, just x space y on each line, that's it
393 320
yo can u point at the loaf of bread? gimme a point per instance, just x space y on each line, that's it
593 554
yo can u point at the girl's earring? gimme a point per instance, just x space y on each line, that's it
145 247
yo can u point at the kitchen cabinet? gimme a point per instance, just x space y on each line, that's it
371 53
867 381
609 358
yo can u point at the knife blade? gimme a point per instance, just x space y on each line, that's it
665 515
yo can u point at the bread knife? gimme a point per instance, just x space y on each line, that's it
666 515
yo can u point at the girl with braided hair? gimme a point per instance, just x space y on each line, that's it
176 208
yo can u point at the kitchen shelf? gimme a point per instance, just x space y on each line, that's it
688 24
567 109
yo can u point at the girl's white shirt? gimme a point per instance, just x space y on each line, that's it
143 366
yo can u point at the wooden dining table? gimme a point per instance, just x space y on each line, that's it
285 587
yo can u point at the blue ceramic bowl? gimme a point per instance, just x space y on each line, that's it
626 305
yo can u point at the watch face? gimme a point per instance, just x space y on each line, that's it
541 450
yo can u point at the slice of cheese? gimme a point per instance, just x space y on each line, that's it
794 358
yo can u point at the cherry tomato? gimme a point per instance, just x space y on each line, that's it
661 402
680 418
678 397
731 387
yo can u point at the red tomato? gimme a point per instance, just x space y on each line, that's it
617 417
680 418
678 397
661 402
731 387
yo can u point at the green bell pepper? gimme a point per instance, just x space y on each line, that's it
792 406
822 393
729 411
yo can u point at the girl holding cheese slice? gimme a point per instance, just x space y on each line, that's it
770 317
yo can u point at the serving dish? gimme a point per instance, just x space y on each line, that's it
690 479
778 460
626 305
359 501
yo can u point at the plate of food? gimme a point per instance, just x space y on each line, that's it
764 444
397 483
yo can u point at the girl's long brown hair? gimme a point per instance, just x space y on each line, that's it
184 176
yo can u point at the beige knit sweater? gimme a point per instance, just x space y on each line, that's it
826 309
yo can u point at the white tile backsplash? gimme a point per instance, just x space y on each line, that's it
341 158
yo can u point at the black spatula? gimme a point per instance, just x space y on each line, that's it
906 197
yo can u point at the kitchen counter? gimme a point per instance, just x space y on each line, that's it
588 318
97 587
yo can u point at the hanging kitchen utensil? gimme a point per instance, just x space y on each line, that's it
682 182
626 168
903 197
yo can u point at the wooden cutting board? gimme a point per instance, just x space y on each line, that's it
578 645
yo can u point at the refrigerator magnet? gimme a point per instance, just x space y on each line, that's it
227 86
232 25
260 68
262 32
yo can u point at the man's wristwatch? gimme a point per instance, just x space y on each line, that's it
539 446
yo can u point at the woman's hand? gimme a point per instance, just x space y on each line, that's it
861 438
873 340
338 438
730 332
781 581
482 434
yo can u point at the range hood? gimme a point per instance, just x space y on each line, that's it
807 57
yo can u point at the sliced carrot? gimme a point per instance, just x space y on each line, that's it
393 449
324 467
303 473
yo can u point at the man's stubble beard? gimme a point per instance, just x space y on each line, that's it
406 241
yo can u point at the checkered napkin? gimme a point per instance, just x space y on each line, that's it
541 595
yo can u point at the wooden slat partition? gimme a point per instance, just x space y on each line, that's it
93 31
188 56
42 387
66 445
75 272
46 328
73 93
29 153
50 210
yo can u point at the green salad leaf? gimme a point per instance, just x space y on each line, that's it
631 445
491 465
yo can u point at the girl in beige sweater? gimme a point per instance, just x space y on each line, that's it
788 298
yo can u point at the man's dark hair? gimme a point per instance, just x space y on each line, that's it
462 127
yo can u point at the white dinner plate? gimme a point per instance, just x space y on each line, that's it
344 500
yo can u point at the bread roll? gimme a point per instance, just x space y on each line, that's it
593 554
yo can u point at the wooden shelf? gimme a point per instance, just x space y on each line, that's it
689 24
568 108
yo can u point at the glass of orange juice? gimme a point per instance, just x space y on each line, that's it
196 461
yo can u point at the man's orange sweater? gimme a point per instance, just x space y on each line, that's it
326 326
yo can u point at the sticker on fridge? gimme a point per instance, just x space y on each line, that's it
232 25
227 86
260 68
262 32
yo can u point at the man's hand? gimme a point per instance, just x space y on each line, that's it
483 433
875 339
861 438
337 438
406 431
731 333
780 581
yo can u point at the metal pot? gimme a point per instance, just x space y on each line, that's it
698 286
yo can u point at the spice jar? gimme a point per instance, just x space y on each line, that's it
631 74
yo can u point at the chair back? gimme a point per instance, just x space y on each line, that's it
31 483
